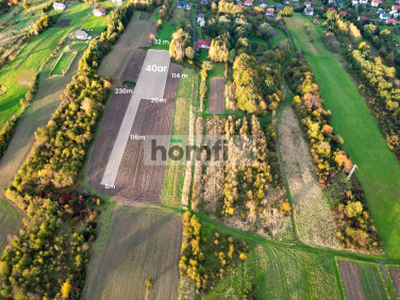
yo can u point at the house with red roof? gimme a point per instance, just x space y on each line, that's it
269 12
332 8
202 44
375 3
248 3
396 7
343 13
99 12
391 21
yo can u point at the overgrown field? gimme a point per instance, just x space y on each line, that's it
142 242
379 172
175 174
18 74
278 273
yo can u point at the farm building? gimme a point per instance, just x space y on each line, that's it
99 12
82 35
202 44
58 6
184 5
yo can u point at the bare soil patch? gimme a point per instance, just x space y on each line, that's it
136 35
313 216
63 23
142 243
216 101
351 279
395 274
136 181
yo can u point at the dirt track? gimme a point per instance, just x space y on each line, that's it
352 282
216 102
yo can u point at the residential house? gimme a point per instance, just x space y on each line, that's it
307 4
309 11
384 16
248 3
184 5
343 13
269 12
99 12
82 35
280 7
119 2
394 14
201 21
364 2
332 8
202 44
59 6
362 18
354 2
395 7
263 4
391 21
375 3
239 3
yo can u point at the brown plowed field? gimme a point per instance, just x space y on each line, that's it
216 102
395 274
142 243
351 279
136 182
63 23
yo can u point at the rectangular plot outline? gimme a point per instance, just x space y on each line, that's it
140 92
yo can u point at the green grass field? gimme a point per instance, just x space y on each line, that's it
175 174
278 273
63 64
218 70
165 34
379 171
95 25
10 223
18 79
372 281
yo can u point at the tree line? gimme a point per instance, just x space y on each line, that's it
355 227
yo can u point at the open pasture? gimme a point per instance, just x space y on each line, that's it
141 243
63 63
379 171
18 74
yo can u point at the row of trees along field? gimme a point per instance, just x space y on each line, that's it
355 228
48 259
385 98
59 149
383 95
206 255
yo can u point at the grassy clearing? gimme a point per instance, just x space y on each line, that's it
372 281
379 172
10 223
18 79
165 34
175 174
95 25
63 64
141 243
277 273
218 70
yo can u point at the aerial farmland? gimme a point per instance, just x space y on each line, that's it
199 149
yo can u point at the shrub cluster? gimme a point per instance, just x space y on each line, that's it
48 259
207 258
